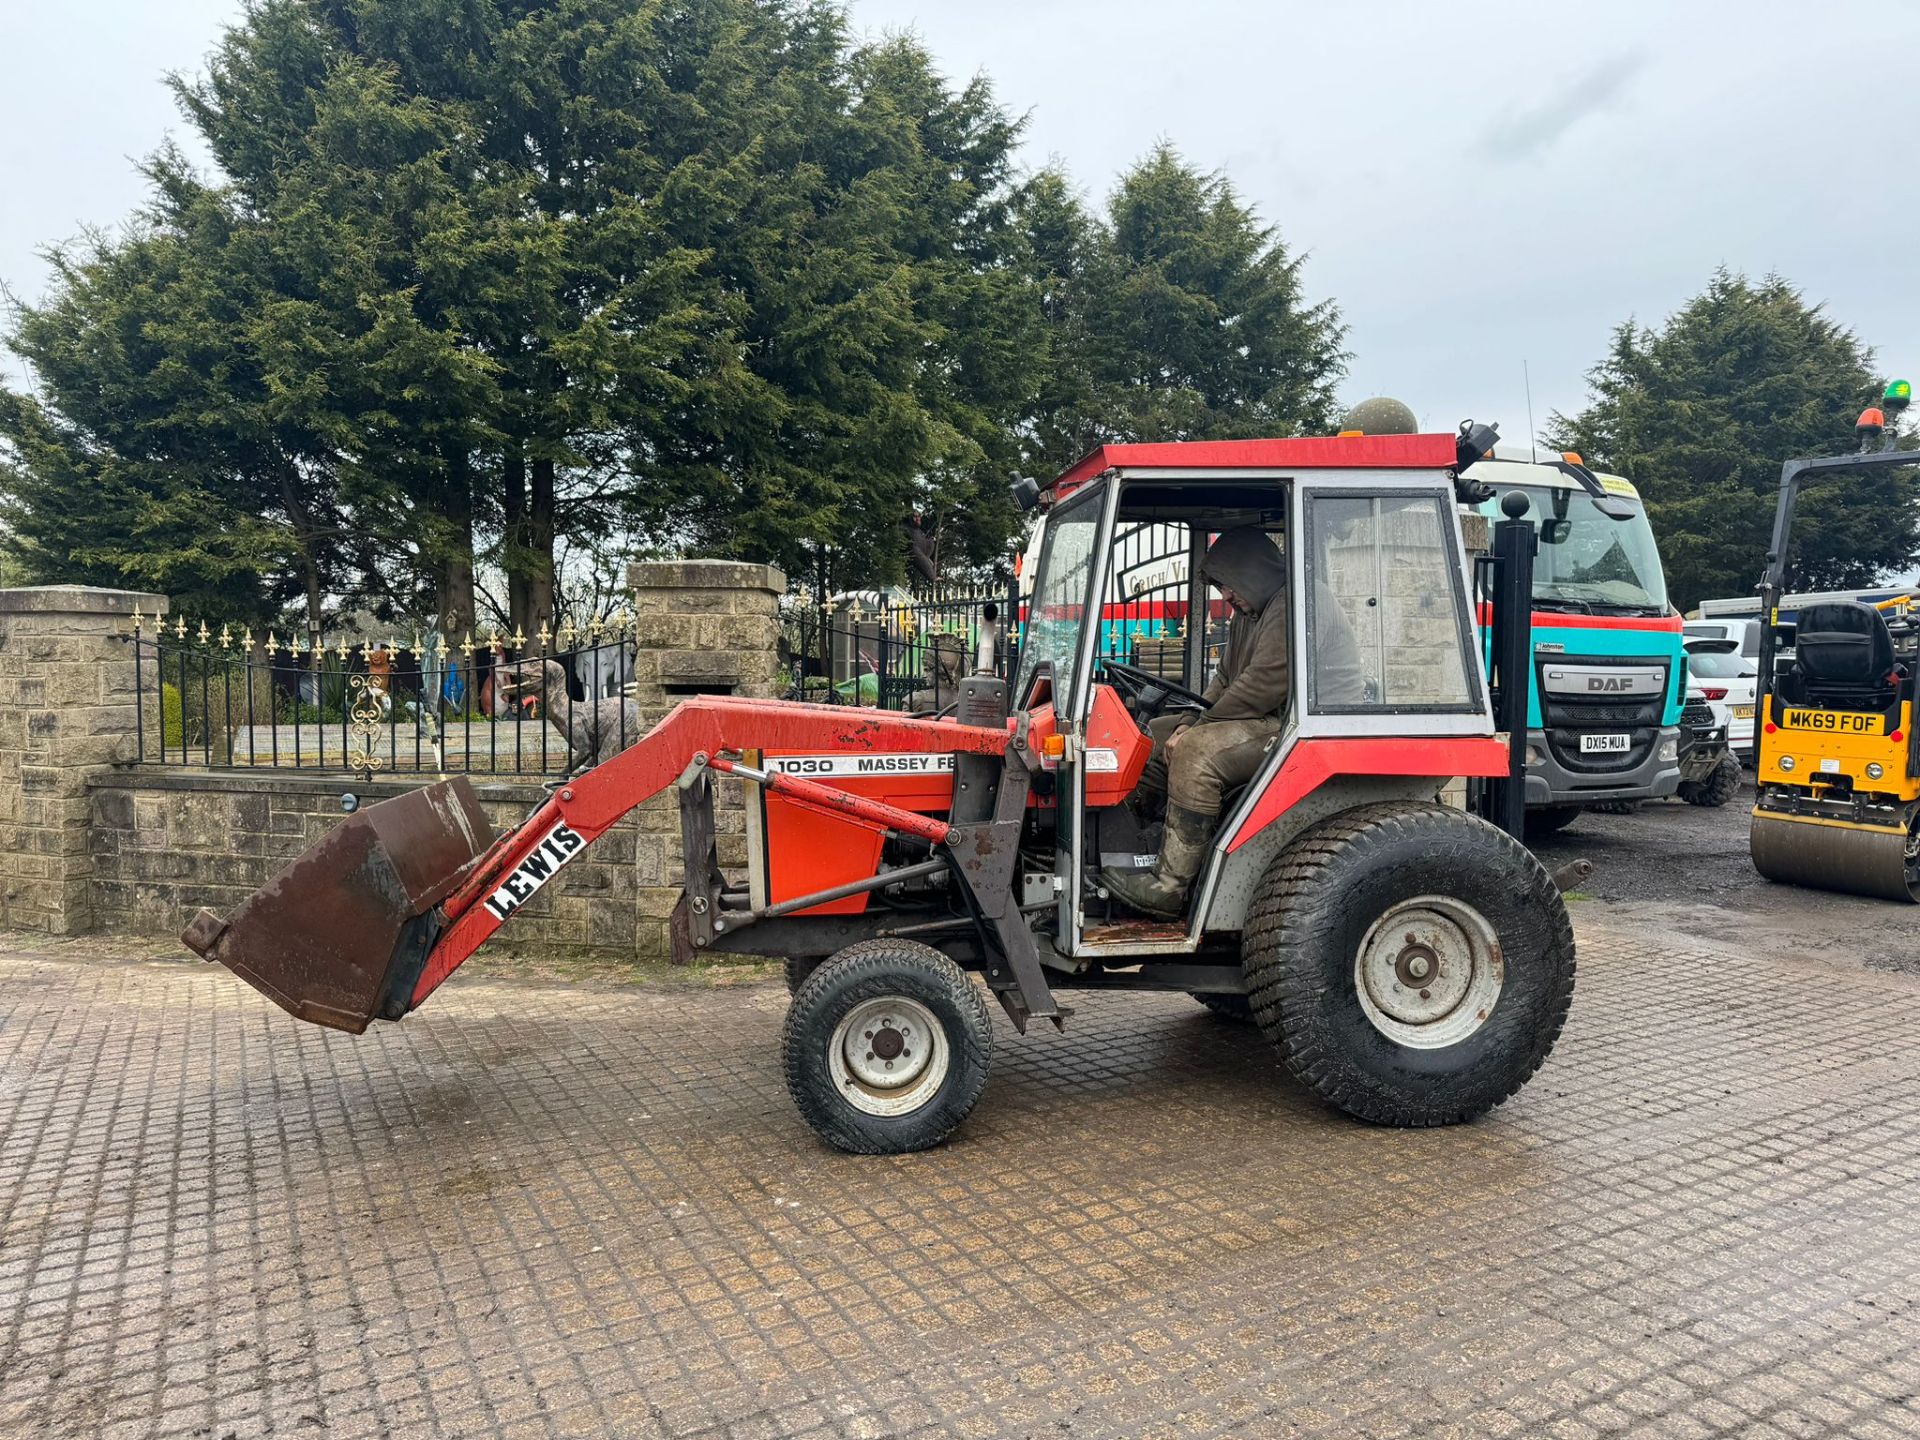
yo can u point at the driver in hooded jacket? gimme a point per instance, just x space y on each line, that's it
1199 756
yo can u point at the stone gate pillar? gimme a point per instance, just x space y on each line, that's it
67 710
705 627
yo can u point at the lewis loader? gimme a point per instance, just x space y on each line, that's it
1411 961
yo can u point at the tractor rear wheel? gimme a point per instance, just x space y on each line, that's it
1227 1007
886 1048
1717 789
1412 964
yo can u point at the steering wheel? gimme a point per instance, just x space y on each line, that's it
1146 693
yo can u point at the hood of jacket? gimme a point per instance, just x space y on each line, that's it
1246 562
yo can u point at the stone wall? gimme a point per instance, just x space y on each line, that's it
66 713
167 841
706 627
89 840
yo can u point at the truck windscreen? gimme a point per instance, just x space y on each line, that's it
1586 562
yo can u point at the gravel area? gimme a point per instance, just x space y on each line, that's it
1684 869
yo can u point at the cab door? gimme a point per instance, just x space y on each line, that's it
1060 640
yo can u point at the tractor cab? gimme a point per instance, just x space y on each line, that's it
1387 691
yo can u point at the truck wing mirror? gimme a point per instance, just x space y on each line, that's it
1613 507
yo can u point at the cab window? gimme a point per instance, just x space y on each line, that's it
1386 615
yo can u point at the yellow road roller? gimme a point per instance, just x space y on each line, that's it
1837 753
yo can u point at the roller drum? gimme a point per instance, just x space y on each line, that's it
1828 855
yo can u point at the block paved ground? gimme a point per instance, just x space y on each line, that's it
549 1209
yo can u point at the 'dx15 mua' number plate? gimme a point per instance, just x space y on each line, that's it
1605 744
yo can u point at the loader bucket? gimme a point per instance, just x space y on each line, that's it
339 936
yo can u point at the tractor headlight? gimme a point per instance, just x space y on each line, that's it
1670 748
1874 772
1786 762
1535 758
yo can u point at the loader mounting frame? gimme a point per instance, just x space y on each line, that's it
980 857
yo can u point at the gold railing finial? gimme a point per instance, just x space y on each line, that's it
520 639
466 645
568 634
180 628
545 637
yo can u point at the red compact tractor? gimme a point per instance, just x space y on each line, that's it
1411 962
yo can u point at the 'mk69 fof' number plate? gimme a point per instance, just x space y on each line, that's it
1842 722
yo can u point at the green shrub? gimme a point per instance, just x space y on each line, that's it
170 717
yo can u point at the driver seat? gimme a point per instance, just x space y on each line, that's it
1843 657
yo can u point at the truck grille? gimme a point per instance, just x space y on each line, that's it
1568 717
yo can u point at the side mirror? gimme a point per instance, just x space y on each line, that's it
1613 507
1555 532
1026 493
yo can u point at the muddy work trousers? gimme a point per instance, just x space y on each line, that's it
1210 760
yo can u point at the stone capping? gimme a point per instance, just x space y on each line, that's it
705 575
501 790
78 600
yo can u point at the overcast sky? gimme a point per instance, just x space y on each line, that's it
1476 184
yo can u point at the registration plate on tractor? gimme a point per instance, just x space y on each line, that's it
1605 744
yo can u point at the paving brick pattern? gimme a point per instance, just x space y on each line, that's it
553 1210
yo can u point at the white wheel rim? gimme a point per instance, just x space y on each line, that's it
888 1056
1429 972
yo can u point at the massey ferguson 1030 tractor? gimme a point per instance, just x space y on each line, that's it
1411 962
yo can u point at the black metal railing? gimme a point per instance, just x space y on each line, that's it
897 652
423 703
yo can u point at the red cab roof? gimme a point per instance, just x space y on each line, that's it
1305 452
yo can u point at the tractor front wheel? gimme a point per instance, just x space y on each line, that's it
1412 964
886 1048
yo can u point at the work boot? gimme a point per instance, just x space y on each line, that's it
1148 807
1162 891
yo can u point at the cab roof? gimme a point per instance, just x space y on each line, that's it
1303 452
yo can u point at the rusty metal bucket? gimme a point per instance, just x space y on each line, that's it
341 934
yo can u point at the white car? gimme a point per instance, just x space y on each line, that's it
1744 632
1729 681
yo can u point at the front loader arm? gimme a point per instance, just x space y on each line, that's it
583 809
